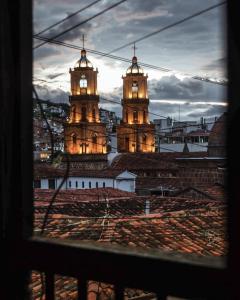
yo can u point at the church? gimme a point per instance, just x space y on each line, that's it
85 134
135 133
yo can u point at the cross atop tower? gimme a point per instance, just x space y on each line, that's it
134 49
83 40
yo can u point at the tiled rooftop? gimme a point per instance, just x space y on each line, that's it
150 161
173 225
46 170
199 231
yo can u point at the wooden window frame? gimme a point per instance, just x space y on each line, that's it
166 274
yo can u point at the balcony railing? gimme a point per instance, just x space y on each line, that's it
164 274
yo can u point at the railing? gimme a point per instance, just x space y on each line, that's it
162 273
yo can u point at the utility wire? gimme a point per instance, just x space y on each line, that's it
168 26
68 17
99 53
81 23
184 125
71 46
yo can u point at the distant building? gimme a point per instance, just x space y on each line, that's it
47 177
179 136
217 138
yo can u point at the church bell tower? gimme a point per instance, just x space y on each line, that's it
84 133
135 133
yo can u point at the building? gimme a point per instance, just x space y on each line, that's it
135 133
217 138
48 177
179 136
84 133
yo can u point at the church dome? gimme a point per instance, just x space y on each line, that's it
83 62
134 68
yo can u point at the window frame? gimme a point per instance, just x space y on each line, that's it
16 227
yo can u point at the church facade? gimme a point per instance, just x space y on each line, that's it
84 133
135 133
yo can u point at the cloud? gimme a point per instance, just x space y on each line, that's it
44 52
217 66
52 76
54 95
171 87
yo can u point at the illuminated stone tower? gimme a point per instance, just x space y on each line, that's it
83 133
135 133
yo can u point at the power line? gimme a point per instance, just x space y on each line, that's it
179 127
185 125
81 23
169 26
71 46
68 17
119 58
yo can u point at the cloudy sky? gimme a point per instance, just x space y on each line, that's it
195 47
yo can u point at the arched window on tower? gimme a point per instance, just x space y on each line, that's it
127 144
74 139
134 89
144 117
144 139
94 143
135 116
84 114
94 115
83 85
94 138
74 113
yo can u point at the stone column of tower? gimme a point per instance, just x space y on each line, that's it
84 133
135 133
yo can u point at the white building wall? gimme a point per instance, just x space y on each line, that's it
178 147
44 183
83 183
125 185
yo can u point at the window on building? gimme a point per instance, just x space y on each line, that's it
135 116
76 184
74 139
73 113
144 139
51 184
90 184
144 117
83 184
135 89
94 138
94 115
69 183
84 113
127 143
37 184
83 85
96 185
126 116
104 185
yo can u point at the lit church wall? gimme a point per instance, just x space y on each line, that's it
83 133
